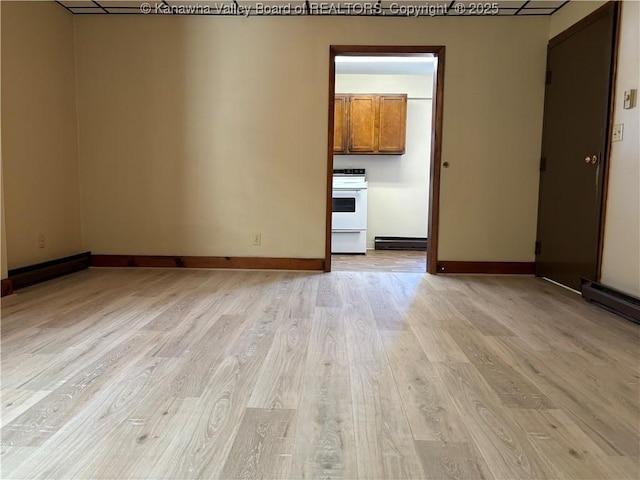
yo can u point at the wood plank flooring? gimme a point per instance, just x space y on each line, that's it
181 374
381 261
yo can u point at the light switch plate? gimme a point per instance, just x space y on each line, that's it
617 132
630 98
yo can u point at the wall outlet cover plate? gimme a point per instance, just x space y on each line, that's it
617 132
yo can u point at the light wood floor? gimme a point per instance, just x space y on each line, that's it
381 261
174 374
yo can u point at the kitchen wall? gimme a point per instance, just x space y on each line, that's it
398 193
197 131
621 255
39 133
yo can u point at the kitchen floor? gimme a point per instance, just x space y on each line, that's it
381 261
210 374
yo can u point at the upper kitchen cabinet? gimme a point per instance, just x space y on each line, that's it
362 120
370 124
392 123
340 125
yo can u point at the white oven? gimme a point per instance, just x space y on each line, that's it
349 212
349 209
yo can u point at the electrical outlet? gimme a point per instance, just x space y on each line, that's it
257 238
617 132
41 240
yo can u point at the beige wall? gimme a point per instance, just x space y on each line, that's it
571 13
3 240
192 137
196 132
398 193
39 133
3 244
621 256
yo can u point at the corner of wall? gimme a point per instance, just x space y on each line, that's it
41 196
570 14
3 240
77 112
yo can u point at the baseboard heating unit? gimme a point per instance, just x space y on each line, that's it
41 272
400 243
612 300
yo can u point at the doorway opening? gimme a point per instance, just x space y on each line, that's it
380 96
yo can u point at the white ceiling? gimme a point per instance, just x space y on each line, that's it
387 8
385 65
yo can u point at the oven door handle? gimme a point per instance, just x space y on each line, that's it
350 189
346 230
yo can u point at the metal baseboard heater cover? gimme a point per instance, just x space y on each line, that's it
401 243
41 272
617 302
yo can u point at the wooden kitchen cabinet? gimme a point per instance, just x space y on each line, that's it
362 119
392 123
370 124
340 125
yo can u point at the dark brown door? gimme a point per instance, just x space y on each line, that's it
362 123
574 149
393 120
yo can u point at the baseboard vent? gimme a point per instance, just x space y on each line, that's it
400 243
612 300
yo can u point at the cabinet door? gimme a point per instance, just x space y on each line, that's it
392 124
363 123
340 124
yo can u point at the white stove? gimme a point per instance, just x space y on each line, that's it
349 213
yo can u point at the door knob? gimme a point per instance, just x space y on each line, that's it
591 159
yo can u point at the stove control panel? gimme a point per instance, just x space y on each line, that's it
349 171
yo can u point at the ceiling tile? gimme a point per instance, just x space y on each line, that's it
129 11
388 3
196 3
391 7
537 11
122 4
507 12
514 4
511 4
545 4
87 10
79 3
